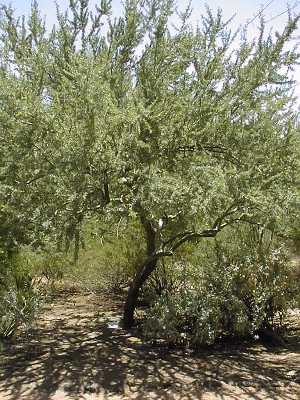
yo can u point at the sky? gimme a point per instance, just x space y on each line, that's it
244 11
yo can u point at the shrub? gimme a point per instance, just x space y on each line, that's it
46 265
238 289
19 300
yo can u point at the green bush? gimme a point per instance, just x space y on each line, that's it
19 299
236 289
47 266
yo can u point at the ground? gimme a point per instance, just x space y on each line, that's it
76 350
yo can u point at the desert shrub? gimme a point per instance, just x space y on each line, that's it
237 288
19 299
173 274
26 277
46 265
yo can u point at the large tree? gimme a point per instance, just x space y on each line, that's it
190 130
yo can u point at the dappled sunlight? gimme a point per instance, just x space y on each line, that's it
77 351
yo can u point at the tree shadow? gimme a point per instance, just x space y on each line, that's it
77 352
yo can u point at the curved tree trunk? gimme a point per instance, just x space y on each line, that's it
134 291
153 255
142 274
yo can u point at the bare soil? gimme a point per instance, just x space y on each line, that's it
77 351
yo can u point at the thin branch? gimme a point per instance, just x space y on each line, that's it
230 210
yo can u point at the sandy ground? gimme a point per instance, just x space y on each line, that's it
76 351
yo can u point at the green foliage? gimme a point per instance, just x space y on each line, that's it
240 287
189 131
175 123
46 265
19 299
110 257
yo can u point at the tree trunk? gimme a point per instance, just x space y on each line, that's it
134 291
142 274
76 245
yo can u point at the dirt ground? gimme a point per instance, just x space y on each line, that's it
76 351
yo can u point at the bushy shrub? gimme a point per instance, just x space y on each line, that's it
236 289
19 299
173 274
47 266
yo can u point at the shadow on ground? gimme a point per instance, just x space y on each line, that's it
76 352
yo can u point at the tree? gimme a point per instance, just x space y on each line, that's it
53 90
190 130
214 136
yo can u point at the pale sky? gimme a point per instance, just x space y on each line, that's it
244 10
